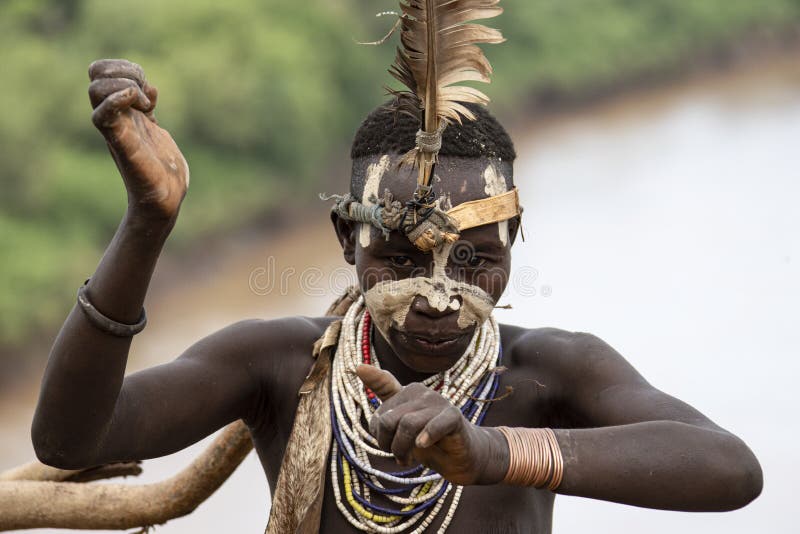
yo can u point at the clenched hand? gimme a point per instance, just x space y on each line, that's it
418 424
154 170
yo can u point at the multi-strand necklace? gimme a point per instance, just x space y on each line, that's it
416 495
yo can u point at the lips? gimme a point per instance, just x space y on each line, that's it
433 343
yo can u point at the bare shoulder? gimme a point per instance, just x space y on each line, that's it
269 338
591 382
266 350
268 333
555 348
574 363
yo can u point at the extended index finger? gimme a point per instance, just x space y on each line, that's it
116 68
383 383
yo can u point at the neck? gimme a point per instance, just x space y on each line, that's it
390 361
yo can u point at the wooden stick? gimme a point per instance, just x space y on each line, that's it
51 502
37 471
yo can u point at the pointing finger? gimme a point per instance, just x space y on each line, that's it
383 383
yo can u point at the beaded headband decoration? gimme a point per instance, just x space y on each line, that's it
437 52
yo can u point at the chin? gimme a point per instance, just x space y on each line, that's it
429 355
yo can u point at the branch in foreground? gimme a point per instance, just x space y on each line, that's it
39 504
37 471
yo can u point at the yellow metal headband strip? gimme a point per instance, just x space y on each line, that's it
486 210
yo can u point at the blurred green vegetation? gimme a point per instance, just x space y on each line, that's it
261 95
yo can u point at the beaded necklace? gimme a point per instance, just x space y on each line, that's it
417 494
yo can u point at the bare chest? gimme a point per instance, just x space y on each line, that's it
522 399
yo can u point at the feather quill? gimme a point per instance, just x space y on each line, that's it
438 52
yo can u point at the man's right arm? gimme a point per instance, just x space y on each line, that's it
84 415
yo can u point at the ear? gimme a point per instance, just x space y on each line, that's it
346 234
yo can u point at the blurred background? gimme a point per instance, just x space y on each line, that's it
658 166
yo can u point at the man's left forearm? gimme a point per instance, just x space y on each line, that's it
660 464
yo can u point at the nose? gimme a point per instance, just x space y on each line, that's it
421 305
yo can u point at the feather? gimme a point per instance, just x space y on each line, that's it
438 52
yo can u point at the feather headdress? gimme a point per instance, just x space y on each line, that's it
437 53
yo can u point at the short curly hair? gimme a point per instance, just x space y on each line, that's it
389 131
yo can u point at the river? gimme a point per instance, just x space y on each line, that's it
665 222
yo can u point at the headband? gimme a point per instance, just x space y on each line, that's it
437 52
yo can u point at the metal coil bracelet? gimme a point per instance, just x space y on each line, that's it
534 457
106 324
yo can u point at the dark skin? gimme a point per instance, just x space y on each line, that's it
622 439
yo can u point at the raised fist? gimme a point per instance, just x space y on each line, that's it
151 164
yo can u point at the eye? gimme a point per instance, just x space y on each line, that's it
401 261
476 261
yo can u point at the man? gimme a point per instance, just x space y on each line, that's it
419 314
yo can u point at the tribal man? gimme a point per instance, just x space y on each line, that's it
423 437
408 408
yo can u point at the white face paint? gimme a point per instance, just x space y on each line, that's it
390 301
371 186
496 185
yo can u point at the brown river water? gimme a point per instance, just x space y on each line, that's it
665 222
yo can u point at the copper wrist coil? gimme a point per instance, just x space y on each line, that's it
534 457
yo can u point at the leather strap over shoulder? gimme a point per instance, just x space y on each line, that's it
297 500
319 368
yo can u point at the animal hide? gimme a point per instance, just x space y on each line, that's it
297 501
